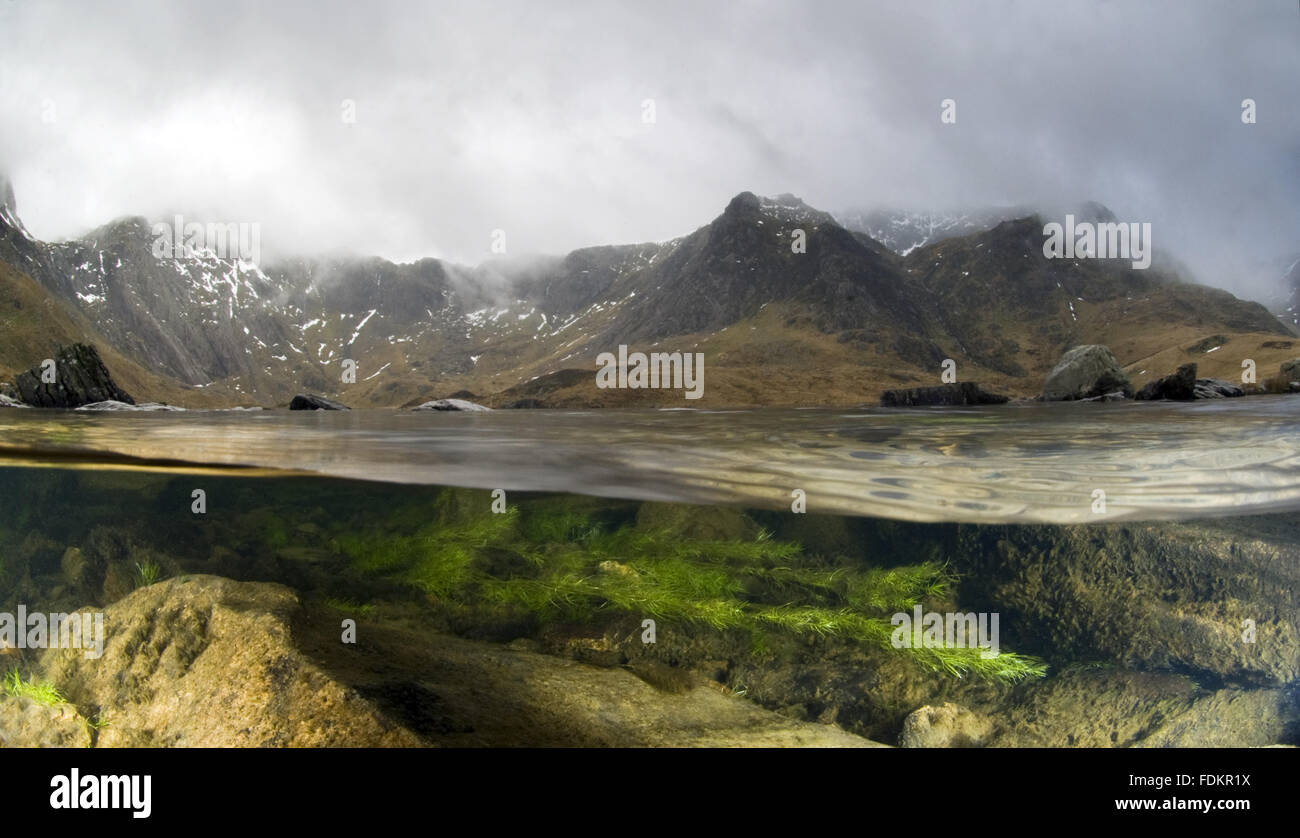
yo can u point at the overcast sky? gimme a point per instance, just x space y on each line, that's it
528 117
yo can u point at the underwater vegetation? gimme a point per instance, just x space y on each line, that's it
147 573
42 692
572 560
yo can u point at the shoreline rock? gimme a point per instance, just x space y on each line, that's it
111 406
1217 388
452 405
1086 372
1179 387
80 378
314 402
963 393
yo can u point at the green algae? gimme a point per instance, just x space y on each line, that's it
570 560
42 692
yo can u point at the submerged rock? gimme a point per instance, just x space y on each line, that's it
25 723
966 392
452 404
313 402
1181 386
944 726
1085 372
1159 595
80 378
203 661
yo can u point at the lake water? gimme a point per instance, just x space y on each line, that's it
1038 463
1142 560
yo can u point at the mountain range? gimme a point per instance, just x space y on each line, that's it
872 301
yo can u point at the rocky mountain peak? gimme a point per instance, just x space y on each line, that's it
746 203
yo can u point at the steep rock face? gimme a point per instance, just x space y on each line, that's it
80 378
1085 372
747 258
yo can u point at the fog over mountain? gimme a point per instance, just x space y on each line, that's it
531 119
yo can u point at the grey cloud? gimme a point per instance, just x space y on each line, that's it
526 117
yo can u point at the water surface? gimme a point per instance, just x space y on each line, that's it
1023 463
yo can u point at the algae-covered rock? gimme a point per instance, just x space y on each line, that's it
1217 598
944 726
203 661
25 723
207 662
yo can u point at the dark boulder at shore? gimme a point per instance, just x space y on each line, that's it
964 393
1085 372
80 377
1180 387
312 402
525 404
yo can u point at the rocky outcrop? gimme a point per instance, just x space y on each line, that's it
525 404
1290 370
1085 372
312 402
79 378
964 393
452 404
1181 386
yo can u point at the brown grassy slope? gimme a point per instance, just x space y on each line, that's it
34 323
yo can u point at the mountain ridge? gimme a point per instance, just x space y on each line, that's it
771 287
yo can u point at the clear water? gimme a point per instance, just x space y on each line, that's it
1122 623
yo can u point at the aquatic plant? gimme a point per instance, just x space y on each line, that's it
349 606
147 572
556 560
42 692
